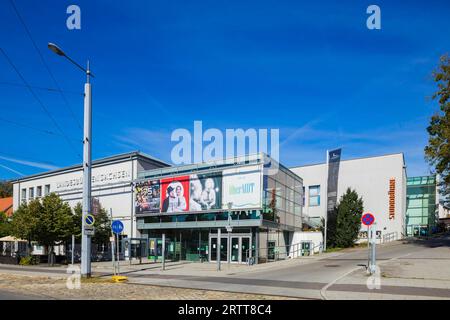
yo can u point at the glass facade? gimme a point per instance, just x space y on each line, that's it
421 212
282 199
259 209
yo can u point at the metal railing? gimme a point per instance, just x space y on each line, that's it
392 236
275 254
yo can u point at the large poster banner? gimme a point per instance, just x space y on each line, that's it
147 196
205 191
334 158
175 194
241 188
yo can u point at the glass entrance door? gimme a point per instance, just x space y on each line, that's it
245 252
223 249
240 246
234 249
238 250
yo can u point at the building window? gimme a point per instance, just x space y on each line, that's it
30 194
47 189
23 196
314 196
39 192
303 196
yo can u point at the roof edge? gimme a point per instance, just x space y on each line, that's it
353 159
119 156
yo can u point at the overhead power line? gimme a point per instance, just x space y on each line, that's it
13 84
22 21
44 108
23 125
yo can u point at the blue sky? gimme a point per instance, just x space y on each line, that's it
308 68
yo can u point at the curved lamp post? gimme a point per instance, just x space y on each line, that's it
87 162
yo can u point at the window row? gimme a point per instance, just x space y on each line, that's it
223 216
31 193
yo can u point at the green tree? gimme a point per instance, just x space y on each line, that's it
24 222
6 189
437 152
346 222
5 225
102 224
48 221
54 223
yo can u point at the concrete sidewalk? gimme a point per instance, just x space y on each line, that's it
418 270
423 274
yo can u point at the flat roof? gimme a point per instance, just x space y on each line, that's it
244 160
121 156
354 159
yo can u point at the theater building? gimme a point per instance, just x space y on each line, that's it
237 204
253 212
381 181
112 185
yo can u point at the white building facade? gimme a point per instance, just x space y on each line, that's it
379 180
112 185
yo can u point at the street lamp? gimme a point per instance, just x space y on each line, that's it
87 162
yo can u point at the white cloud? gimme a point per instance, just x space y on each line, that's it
29 163
11 169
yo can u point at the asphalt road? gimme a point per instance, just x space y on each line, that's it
297 279
326 270
307 280
7 295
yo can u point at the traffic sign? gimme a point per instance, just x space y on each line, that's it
367 219
89 232
89 220
117 226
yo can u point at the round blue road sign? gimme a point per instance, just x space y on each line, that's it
89 219
117 226
367 219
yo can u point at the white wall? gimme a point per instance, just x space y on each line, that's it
111 186
370 178
315 237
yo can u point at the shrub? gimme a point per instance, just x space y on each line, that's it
28 260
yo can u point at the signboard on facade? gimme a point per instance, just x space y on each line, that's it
148 196
75 180
392 198
175 194
334 159
241 188
205 191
